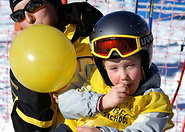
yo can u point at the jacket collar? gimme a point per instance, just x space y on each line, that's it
153 81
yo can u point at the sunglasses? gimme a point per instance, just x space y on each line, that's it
31 7
124 45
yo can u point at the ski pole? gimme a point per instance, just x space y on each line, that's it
183 125
151 13
136 6
179 84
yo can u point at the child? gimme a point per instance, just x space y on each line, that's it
132 99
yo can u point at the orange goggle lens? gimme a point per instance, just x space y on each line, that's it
123 45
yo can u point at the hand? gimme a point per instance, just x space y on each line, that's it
56 93
55 97
88 129
116 96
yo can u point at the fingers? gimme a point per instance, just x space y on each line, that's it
116 96
55 97
121 88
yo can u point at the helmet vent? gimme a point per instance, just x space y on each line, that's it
145 30
139 24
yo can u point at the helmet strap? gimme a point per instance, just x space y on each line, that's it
103 72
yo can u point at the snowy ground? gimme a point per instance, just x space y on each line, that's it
166 54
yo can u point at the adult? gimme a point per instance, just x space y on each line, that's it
33 111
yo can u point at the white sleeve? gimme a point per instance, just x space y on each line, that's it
77 100
74 104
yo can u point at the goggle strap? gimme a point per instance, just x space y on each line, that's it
146 39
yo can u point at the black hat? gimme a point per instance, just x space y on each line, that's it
13 3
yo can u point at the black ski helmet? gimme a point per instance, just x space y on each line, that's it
124 23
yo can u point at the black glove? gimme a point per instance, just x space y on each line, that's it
83 14
62 128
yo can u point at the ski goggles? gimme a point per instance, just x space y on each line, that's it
124 45
31 7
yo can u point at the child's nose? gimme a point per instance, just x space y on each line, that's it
123 74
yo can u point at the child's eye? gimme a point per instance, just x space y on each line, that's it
113 68
130 65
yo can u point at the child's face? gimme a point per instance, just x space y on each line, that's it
126 71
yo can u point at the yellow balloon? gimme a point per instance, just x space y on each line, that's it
42 58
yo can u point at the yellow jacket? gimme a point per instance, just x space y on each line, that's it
146 111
